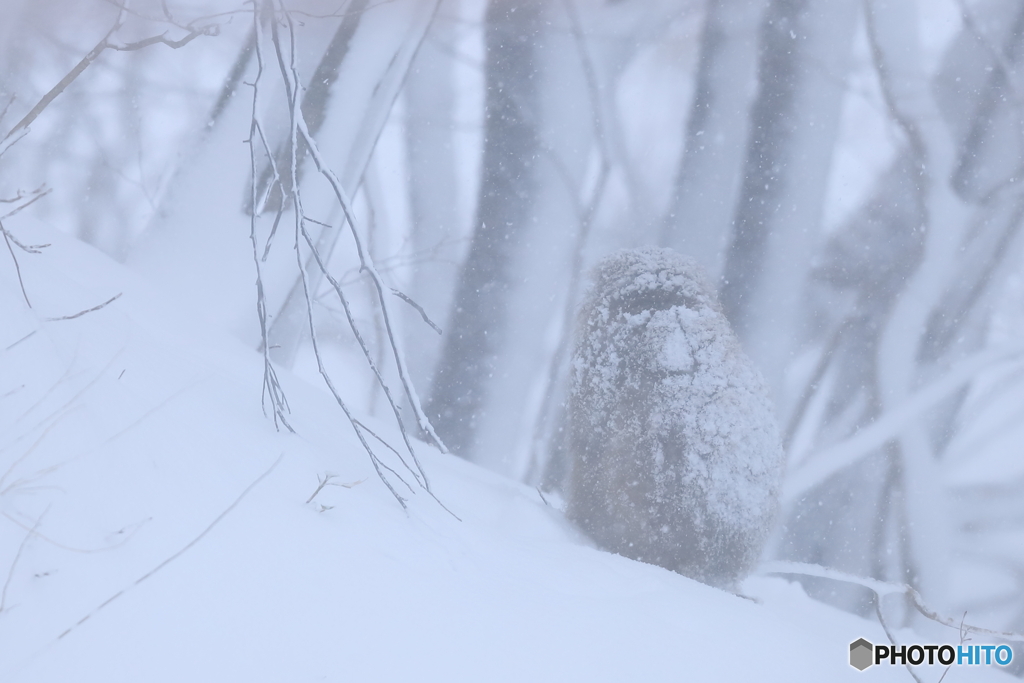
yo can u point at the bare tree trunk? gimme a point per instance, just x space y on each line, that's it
478 322
437 230
572 122
805 50
707 185
579 146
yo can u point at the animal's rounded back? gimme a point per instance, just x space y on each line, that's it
674 447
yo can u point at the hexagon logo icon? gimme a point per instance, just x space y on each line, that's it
861 654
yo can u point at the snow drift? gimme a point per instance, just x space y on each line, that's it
147 535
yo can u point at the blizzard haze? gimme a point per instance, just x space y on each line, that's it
310 347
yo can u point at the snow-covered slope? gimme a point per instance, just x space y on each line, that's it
125 433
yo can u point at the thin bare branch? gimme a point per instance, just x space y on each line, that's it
892 639
17 266
17 556
181 552
291 79
88 310
67 80
323 483
882 589
38 195
104 44
21 195
271 386
27 336
367 266
164 40
3 112
419 309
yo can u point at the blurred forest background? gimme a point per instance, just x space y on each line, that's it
848 171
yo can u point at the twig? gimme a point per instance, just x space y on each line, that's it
963 639
17 556
181 552
67 80
326 481
418 474
316 222
290 76
284 176
423 314
370 129
323 483
88 310
377 464
391 448
374 434
275 182
39 194
892 639
19 128
21 340
211 30
396 261
367 266
300 126
62 546
167 18
17 266
27 248
882 589
271 385
3 113
543 498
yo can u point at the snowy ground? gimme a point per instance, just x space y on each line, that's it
126 432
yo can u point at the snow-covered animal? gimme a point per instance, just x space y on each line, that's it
674 447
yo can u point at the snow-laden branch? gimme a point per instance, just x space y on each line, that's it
831 460
882 589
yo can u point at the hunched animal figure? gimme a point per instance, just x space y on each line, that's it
674 448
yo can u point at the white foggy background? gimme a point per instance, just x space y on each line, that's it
886 300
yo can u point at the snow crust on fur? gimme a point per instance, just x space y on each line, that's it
675 448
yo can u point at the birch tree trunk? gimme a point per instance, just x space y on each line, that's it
804 58
479 324
706 188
